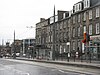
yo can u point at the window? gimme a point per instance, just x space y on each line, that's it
68 32
61 24
73 32
64 35
47 39
73 45
84 29
73 19
64 15
79 6
84 16
51 28
86 3
79 17
57 37
75 9
64 49
90 14
69 22
48 28
56 18
79 45
68 35
90 29
57 26
97 28
97 12
60 49
61 35
39 39
43 40
65 24
51 38
78 31
51 20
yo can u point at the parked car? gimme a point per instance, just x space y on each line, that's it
17 54
8 55
24 55
1 56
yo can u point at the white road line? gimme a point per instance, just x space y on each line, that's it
65 72
25 74
69 72
61 71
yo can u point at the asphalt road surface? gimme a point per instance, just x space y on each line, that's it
18 67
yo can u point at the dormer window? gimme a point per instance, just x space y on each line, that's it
77 7
63 15
86 3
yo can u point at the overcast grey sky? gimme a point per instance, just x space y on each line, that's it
17 14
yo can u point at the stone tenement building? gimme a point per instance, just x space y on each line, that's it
63 33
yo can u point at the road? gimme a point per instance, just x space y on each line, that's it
19 67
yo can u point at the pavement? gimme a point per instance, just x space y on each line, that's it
94 65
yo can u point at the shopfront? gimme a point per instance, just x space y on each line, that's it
94 47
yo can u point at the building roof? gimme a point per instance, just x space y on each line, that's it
97 3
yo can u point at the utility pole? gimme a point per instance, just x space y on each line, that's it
14 55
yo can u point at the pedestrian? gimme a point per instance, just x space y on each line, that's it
68 56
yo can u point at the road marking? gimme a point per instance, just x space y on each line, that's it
24 73
61 71
70 72
65 72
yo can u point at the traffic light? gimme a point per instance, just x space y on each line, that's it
86 38
85 35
